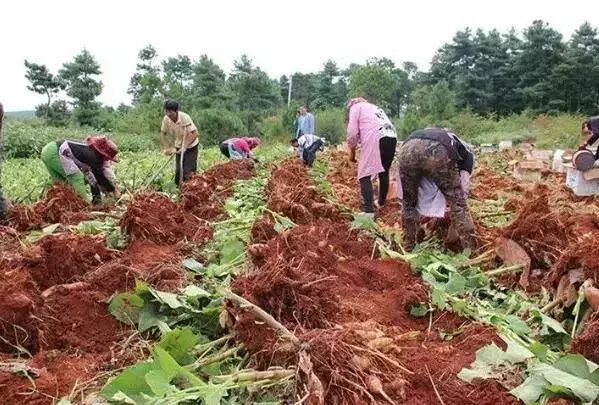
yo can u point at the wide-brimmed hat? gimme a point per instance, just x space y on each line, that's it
252 141
104 147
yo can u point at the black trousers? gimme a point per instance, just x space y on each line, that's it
309 154
224 149
190 164
387 147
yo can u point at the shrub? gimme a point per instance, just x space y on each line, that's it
216 125
273 129
331 125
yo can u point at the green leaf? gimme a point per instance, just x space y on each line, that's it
595 377
548 322
531 389
130 382
231 251
195 292
583 389
419 311
214 394
518 325
490 357
126 307
193 265
158 382
364 222
574 364
172 369
438 297
170 299
456 284
179 344
539 350
150 317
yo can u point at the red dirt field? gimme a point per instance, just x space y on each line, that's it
351 313
55 292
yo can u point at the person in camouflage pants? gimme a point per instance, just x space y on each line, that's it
420 158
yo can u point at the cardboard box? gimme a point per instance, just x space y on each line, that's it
528 170
583 184
544 155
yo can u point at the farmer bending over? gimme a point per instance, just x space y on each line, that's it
240 148
307 146
438 155
370 127
186 140
590 128
77 163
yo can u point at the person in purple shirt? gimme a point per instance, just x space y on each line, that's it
370 128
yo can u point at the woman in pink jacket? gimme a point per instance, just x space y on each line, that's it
239 148
370 127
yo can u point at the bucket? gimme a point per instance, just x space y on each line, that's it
583 160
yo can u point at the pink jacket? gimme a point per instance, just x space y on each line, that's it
364 129
245 144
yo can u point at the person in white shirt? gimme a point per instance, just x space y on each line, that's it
307 145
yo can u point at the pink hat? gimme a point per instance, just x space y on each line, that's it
104 147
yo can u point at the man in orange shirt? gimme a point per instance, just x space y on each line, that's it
186 137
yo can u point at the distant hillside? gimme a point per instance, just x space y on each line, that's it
20 114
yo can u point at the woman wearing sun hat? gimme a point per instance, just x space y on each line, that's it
369 127
77 163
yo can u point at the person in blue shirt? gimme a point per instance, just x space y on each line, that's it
305 122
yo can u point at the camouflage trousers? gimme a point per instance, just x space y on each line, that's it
420 158
3 208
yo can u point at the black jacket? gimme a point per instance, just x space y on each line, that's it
90 161
455 148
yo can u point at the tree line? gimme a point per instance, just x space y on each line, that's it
486 72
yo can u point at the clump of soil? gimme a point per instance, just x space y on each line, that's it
56 374
343 177
487 184
203 195
390 214
294 287
61 205
64 258
587 343
542 232
291 193
155 217
89 327
263 229
20 300
579 254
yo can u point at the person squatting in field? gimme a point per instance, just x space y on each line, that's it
3 202
186 136
307 146
370 128
441 157
77 163
590 128
240 148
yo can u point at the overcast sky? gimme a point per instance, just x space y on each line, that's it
281 36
